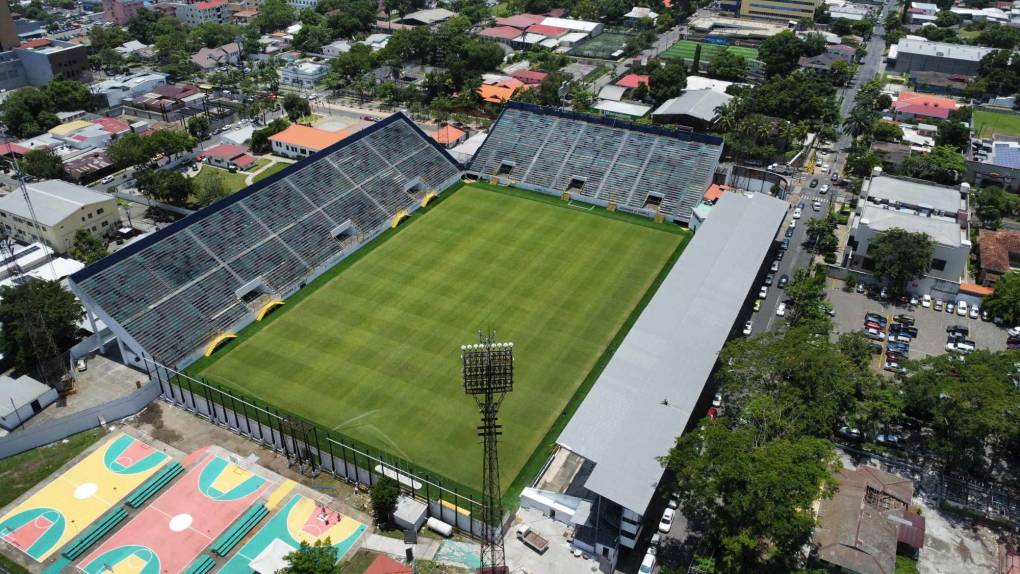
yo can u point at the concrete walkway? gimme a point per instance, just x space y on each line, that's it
273 160
425 549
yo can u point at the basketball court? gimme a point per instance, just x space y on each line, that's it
174 529
300 520
58 512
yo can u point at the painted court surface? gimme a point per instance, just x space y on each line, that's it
65 507
174 529
300 520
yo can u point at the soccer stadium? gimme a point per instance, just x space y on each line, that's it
341 289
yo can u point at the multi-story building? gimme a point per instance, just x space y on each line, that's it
61 209
778 9
44 59
213 11
938 211
920 55
8 31
305 74
120 11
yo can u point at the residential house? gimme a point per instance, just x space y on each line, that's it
227 156
334 49
999 253
912 105
530 77
862 525
499 91
119 88
209 58
449 136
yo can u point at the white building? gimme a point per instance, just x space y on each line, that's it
938 211
305 74
212 11
298 141
336 48
119 88
21 399
61 209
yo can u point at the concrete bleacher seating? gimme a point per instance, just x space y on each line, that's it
175 290
600 160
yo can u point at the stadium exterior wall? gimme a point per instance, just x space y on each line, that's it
573 196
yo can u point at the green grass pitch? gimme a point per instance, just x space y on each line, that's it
989 123
374 351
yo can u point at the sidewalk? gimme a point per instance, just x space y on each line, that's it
425 549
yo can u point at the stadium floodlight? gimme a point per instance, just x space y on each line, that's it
488 368
488 373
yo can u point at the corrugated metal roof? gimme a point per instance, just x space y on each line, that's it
645 396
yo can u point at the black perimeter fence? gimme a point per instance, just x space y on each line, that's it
314 448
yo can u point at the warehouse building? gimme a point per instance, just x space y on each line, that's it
920 55
61 209
643 400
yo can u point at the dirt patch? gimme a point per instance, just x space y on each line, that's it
153 417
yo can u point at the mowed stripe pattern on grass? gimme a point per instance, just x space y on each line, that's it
375 352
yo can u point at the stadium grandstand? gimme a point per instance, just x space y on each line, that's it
170 295
652 171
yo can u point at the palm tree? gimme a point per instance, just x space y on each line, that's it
858 123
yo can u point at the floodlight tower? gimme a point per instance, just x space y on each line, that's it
488 372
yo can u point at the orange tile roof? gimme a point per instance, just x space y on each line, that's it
447 135
497 93
975 289
307 137
924 104
715 191
35 43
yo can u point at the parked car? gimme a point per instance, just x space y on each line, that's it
938 305
926 300
775 266
975 312
80 365
780 254
768 279
813 184
950 307
107 179
874 334
960 329
898 347
849 432
985 315
893 367
860 288
906 328
763 292
793 223
648 563
747 328
797 213
961 308
789 231
666 522
824 189
757 305
904 318
876 318
875 348
889 439
781 310
783 281
1014 331
717 401
816 205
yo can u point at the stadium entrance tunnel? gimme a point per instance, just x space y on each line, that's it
428 198
399 218
217 342
268 308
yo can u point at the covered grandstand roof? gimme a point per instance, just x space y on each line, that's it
613 160
170 292
646 395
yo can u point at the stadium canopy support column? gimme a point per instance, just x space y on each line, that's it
488 373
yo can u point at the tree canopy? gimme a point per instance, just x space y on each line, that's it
318 558
727 65
780 53
667 79
1005 302
384 494
991 203
40 319
943 164
296 107
900 256
170 187
43 164
86 247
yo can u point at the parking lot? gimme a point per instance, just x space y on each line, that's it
931 325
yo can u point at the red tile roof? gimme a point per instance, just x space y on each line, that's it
9 148
501 32
386 565
632 81
521 21
551 31
530 76
224 151
244 160
36 43
448 135
715 191
995 247
210 4
925 105
974 289
113 125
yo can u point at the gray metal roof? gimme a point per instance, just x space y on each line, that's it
943 50
623 423
699 104
16 393
942 230
915 193
53 200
